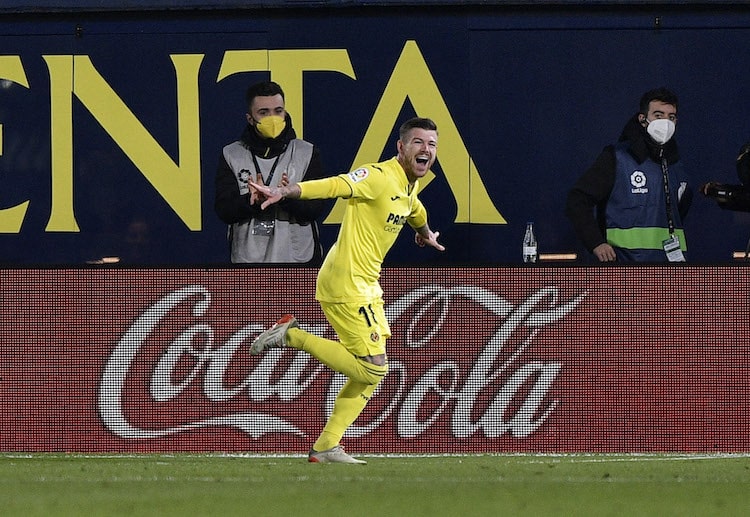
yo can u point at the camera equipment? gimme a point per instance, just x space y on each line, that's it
734 197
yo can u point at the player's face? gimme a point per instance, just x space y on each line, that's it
417 153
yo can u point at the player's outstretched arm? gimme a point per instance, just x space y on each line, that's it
274 194
426 237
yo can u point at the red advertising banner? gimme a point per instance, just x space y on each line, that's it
537 359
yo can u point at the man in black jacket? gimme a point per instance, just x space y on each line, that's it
269 152
630 204
733 197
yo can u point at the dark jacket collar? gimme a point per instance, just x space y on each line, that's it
643 147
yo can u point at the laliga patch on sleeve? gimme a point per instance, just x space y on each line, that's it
358 175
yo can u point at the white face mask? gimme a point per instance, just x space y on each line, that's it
661 130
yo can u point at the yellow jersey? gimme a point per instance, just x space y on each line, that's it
380 201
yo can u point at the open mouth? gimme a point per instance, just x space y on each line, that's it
421 160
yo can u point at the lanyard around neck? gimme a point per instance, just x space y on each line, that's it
270 174
667 195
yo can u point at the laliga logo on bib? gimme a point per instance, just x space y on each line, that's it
638 180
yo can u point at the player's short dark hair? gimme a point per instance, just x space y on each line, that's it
416 122
660 94
263 89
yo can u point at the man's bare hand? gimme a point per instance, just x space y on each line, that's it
605 253
255 197
270 195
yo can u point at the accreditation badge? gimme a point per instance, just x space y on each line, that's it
263 227
672 249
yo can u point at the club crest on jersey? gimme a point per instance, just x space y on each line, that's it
358 175
374 337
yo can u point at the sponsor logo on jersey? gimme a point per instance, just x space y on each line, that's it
396 219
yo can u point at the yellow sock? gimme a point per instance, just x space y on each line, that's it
335 355
350 402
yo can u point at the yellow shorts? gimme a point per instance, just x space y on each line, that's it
362 327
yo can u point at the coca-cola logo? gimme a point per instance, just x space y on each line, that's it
455 384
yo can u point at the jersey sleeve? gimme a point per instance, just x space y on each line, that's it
325 188
418 216
367 182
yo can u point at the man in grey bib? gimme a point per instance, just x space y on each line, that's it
269 152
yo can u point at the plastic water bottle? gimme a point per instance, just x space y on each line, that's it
529 244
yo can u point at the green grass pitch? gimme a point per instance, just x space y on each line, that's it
389 485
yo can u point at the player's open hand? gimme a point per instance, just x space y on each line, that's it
429 240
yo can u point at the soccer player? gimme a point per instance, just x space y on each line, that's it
382 197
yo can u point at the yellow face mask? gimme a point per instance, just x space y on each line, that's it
270 126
